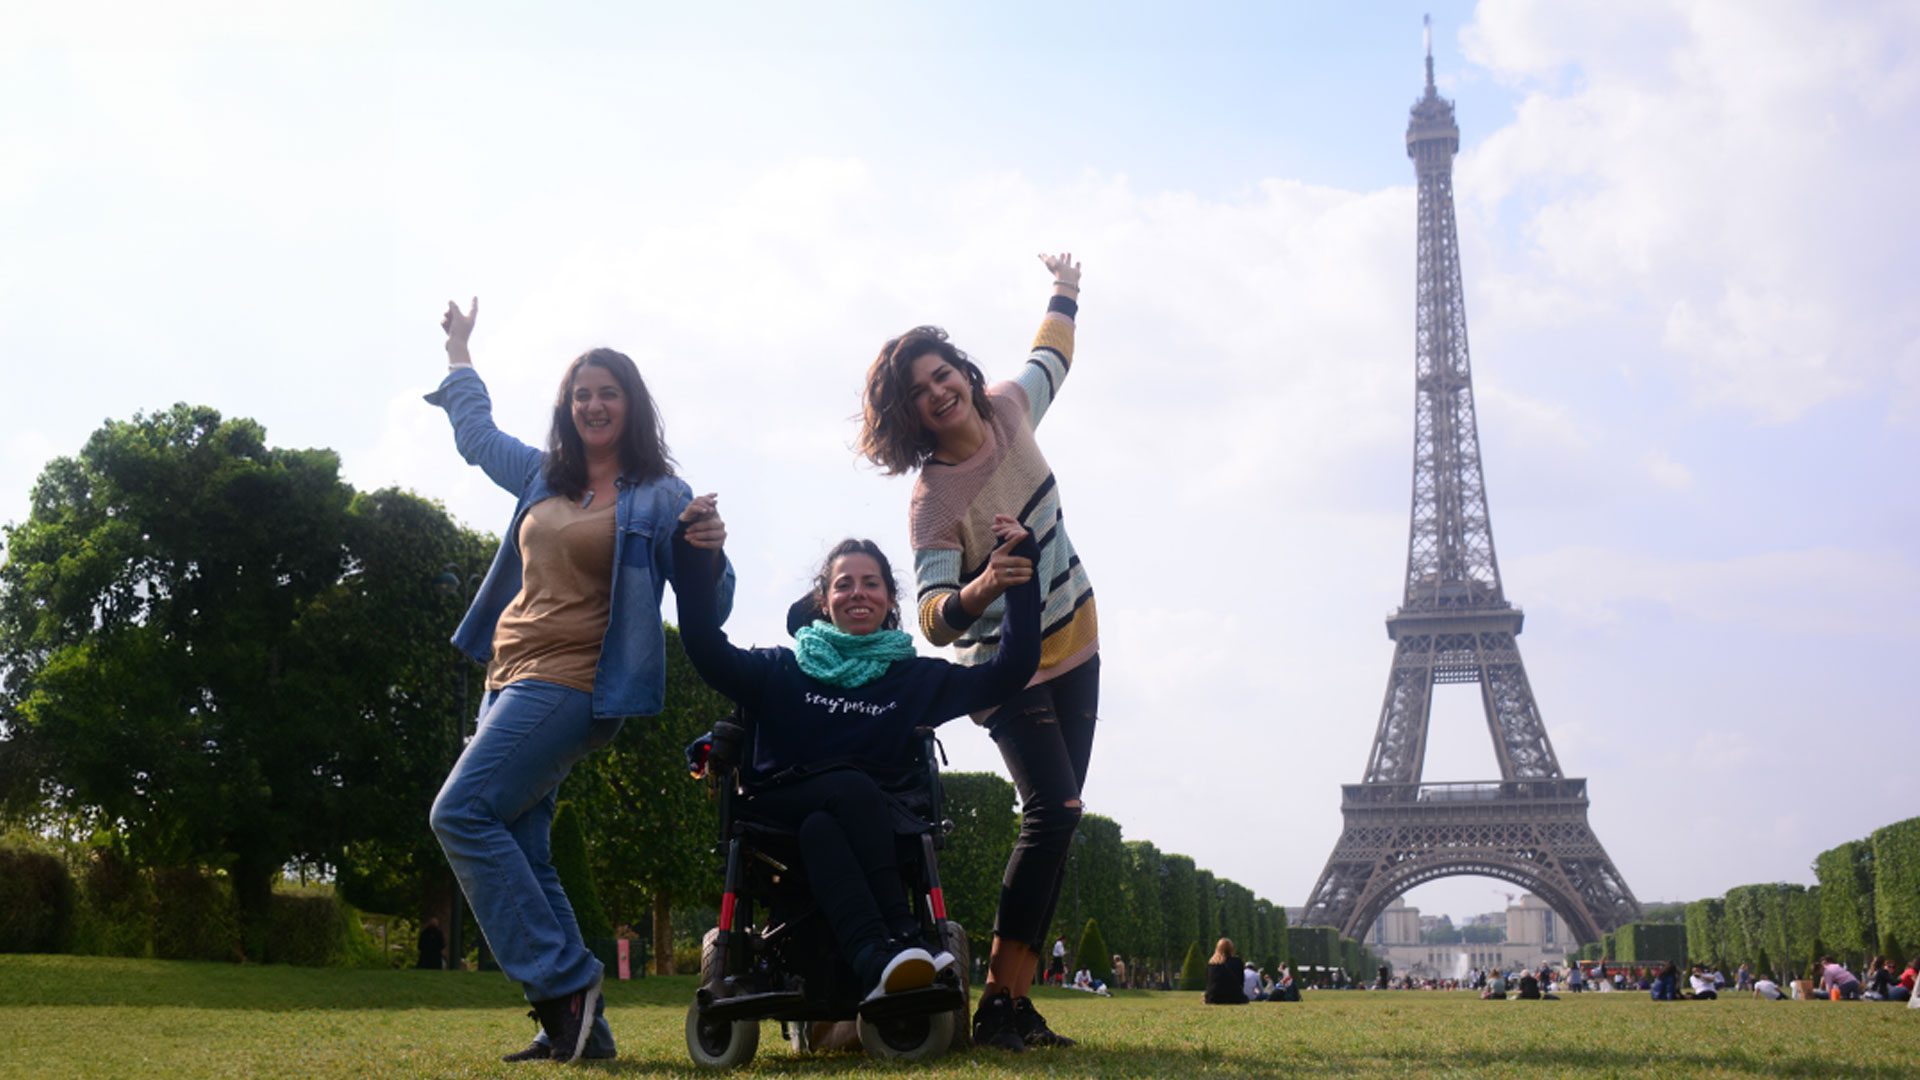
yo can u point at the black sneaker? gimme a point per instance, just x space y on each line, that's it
993 1023
1032 1027
539 1051
569 1021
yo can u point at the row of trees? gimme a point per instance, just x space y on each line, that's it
1866 901
218 654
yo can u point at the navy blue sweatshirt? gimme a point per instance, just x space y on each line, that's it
798 720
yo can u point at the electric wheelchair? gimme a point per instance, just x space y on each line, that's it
773 955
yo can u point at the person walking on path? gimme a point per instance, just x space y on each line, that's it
567 621
927 409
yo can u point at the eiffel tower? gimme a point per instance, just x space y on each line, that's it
1455 626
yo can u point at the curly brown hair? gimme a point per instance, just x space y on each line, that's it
891 435
823 580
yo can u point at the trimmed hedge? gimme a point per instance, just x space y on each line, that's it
1313 946
1846 900
1651 943
1706 932
569 853
193 916
318 929
1193 971
1896 887
115 917
1093 955
36 902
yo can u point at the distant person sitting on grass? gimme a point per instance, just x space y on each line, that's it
1084 980
1666 985
1496 987
1703 984
1837 982
1224 986
1767 989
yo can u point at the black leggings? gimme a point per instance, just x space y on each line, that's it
845 825
1045 734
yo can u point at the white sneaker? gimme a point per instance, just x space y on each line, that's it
943 961
910 969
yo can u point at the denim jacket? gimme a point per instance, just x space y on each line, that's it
631 677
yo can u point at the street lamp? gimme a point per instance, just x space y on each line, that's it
1166 976
448 580
1079 928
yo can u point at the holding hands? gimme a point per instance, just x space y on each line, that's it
459 327
1004 568
704 527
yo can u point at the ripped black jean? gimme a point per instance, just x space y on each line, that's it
1045 735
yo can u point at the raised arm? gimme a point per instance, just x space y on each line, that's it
1052 354
697 572
506 460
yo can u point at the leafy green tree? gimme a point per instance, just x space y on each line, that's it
1094 876
1140 940
651 829
1706 933
1896 886
1846 899
985 824
197 654
1206 902
1180 907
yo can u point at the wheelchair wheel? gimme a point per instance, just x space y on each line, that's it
907 1038
724 1045
953 937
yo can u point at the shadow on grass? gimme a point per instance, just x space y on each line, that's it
1085 1061
113 981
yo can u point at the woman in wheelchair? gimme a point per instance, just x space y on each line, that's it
832 718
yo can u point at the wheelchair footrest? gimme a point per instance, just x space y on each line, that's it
750 1006
940 997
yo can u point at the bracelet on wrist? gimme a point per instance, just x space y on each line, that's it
1074 285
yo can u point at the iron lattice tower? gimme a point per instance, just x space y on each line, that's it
1456 626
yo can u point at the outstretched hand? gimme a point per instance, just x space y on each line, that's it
1066 272
459 327
704 527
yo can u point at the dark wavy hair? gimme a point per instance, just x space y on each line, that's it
822 580
643 445
891 435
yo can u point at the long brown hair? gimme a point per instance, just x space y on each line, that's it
891 435
643 445
1222 952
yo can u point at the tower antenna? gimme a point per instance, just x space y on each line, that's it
1426 39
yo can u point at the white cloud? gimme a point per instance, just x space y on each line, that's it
1737 172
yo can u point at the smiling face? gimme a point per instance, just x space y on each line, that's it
599 409
859 595
941 398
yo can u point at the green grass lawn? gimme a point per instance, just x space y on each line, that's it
66 1016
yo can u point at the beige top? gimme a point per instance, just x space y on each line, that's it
552 631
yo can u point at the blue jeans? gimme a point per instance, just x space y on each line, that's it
492 817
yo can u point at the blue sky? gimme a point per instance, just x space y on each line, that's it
1690 255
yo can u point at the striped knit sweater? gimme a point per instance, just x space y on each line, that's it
952 517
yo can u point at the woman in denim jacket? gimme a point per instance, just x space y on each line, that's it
567 621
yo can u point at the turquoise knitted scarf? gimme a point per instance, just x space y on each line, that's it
848 660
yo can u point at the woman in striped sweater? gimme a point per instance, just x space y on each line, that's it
928 410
